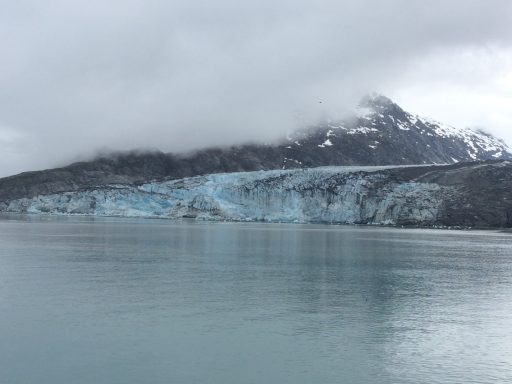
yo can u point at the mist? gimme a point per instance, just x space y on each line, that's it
77 77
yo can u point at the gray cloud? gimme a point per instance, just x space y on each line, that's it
77 76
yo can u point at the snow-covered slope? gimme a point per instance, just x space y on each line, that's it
380 132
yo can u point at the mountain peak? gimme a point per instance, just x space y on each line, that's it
376 100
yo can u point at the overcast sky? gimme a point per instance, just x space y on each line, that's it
78 76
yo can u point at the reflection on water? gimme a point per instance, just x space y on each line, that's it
97 300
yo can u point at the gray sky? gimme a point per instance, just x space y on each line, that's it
78 76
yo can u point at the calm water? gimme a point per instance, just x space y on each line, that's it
151 301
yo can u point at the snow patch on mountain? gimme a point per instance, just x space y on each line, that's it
326 143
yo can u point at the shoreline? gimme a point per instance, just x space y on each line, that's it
325 223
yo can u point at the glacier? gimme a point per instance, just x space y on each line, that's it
348 195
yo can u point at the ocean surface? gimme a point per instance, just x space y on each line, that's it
121 301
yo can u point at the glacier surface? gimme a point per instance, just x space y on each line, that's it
351 195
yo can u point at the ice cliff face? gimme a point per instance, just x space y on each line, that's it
368 195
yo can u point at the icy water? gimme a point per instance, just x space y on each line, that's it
98 301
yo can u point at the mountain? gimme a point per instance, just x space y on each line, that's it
383 133
379 133
461 195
